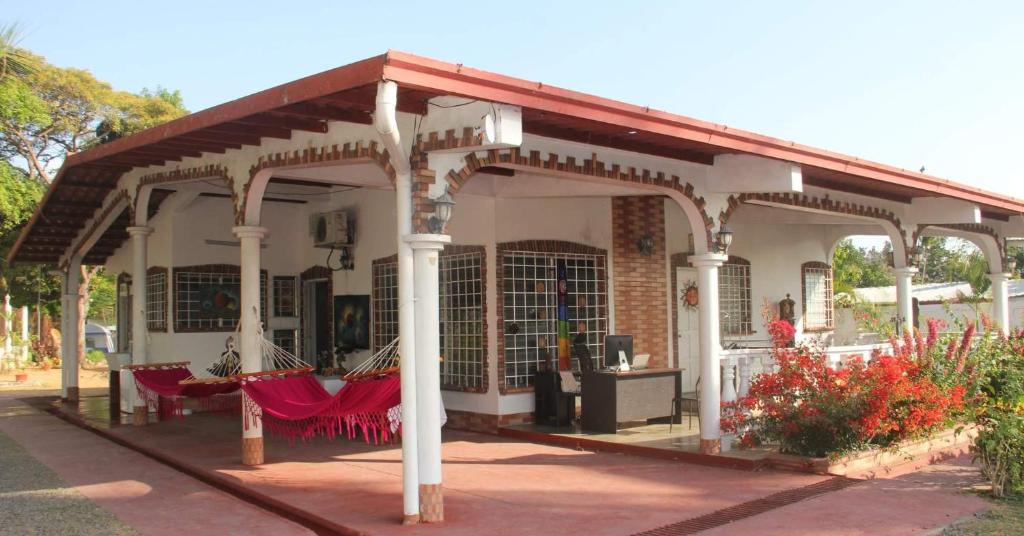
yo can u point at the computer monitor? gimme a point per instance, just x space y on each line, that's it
612 345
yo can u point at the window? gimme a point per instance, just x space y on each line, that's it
156 299
530 305
287 339
385 302
284 296
734 297
462 329
207 298
462 320
817 290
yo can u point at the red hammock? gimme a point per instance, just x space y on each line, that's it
160 385
298 407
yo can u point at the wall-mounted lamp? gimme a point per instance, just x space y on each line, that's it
442 212
645 245
723 240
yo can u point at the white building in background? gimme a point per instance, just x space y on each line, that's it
310 209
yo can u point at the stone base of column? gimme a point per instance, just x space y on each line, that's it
72 394
252 451
710 446
140 415
410 519
431 503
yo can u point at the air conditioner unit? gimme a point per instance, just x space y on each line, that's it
330 229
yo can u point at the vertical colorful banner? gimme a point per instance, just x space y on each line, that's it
564 358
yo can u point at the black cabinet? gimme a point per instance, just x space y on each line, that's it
551 405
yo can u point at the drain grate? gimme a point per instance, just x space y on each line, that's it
750 508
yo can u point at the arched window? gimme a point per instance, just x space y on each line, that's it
734 297
818 311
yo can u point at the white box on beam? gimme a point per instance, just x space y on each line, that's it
743 173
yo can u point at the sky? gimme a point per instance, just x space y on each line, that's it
931 83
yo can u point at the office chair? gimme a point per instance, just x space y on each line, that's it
694 404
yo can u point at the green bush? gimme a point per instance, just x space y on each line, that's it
999 447
95 357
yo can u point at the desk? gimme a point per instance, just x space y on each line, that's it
612 398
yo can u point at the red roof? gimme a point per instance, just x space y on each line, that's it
347 94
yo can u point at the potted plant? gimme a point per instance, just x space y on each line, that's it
21 375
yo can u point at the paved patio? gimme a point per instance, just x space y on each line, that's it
499 485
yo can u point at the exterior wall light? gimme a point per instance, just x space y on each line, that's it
723 240
645 245
442 212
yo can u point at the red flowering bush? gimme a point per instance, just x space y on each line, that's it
809 409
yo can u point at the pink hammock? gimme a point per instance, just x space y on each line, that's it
298 407
165 386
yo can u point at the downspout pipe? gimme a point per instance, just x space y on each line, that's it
386 122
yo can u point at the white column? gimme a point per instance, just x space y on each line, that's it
904 298
1000 301
426 255
69 365
139 234
24 334
250 351
710 348
8 328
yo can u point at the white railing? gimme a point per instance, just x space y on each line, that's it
740 366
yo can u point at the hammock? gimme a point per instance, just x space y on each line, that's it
298 407
173 382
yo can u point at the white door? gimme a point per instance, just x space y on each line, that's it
688 343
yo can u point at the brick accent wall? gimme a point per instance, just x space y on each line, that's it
484 423
640 283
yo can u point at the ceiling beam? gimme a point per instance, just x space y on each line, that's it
263 132
331 113
285 121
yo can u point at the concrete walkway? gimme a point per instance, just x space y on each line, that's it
493 485
143 494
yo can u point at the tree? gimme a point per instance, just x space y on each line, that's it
855 267
56 111
46 113
13 60
102 298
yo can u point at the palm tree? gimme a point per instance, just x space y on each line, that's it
13 60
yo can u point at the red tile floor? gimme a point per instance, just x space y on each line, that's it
499 485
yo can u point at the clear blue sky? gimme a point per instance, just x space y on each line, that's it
932 83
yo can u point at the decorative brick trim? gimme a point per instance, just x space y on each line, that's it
358 152
803 292
640 282
72 394
536 246
452 249
311 273
122 195
591 167
435 142
824 204
469 421
140 415
431 503
975 228
209 171
514 419
154 326
252 451
207 269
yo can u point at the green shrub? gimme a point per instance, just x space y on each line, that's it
999 447
95 357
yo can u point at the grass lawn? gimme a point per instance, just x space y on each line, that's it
1005 517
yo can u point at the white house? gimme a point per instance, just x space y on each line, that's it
671 229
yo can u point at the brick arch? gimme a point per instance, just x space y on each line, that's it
671 185
348 153
888 219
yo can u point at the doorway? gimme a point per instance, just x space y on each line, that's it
316 316
687 329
